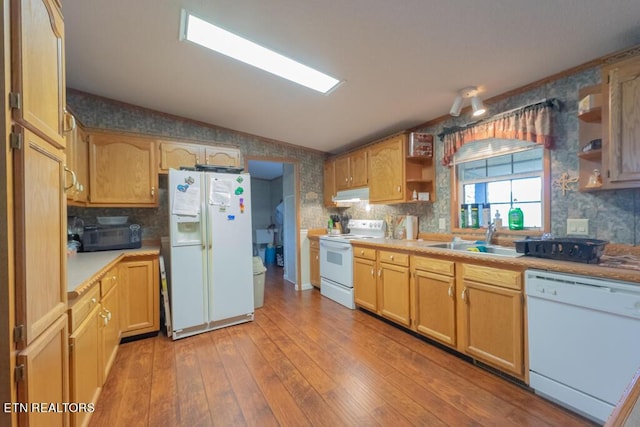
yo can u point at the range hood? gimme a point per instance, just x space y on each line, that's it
353 195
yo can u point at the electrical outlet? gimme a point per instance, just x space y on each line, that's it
442 224
578 227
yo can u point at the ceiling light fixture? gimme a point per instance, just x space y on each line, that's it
222 41
476 103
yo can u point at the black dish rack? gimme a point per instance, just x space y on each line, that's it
587 251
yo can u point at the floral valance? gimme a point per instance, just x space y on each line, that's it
530 123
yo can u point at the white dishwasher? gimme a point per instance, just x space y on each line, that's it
584 339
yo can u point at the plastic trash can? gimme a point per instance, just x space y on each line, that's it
270 255
258 281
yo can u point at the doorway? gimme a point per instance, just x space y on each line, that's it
274 214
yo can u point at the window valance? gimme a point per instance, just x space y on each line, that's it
529 123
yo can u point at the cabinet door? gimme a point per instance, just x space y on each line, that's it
40 236
394 284
358 169
435 311
493 322
45 375
314 265
342 173
85 375
122 170
139 296
364 284
110 331
222 156
38 68
329 189
386 171
173 155
77 153
623 116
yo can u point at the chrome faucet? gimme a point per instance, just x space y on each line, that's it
491 228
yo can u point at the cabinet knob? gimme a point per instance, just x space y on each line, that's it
372 273
362 252
450 292
74 178
93 300
391 257
317 258
153 191
380 273
399 189
463 295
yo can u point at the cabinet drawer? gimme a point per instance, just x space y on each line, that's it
108 281
493 276
433 265
314 244
394 258
368 253
82 307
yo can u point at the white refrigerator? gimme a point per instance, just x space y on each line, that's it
211 282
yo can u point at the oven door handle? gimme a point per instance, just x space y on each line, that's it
338 246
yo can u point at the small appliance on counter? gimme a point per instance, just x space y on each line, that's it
111 237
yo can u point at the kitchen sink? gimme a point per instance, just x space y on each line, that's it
476 248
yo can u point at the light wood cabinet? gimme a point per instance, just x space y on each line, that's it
393 273
122 170
351 170
434 301
386 165
621 151
42 375
109 330
40 239
329 185
139 295
221 156
173 155
77 155
365 285
381 283
84 361
314 262
393 175
38 89
492 318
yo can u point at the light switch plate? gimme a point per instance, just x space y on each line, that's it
578 227
442 225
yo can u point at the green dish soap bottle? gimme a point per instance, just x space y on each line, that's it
516 218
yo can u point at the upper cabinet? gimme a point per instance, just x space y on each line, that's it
329 187
77 153
395 175
351 170
609 154
38 86
122 170
173 155
621 151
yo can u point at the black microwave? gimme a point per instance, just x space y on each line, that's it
111 237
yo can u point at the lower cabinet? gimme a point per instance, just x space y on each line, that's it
434 302
42 375
314 262
475 309
365 286
84 360
139 295
393 268
492 318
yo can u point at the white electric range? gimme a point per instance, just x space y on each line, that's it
336 259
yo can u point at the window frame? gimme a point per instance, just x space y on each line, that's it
545 200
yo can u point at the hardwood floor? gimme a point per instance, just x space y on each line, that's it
306 360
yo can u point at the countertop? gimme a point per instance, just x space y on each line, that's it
85 268
617 267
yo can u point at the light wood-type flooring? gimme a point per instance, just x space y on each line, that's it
306 360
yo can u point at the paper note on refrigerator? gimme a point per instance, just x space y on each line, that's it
220 192
186 200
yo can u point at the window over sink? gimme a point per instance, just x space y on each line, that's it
503 173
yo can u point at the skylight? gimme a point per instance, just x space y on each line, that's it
215 38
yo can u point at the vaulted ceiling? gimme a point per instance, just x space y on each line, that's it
402 62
